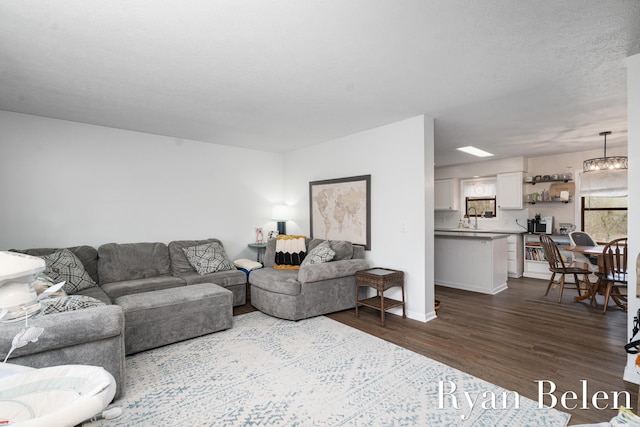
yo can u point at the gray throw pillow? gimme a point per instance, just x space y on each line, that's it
319 254
342 248
208 258
64 265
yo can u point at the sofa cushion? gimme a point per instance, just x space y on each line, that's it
269 256
64 265
97 293
132 261
321 253
290 252
278 281
342 248
179 262
225 278
128 287
208 258
68 303
331 270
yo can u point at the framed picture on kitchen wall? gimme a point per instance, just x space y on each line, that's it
340 209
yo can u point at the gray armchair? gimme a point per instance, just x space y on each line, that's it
313 290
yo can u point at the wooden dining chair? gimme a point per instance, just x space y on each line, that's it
614 271
557 266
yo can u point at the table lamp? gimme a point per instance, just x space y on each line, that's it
281 213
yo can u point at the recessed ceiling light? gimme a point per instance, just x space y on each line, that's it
475 151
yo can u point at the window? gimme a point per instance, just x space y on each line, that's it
479 197
604 218
480 206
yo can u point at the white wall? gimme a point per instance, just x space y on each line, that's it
633 124
66 183
399 158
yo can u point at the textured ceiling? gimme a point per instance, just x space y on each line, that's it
513 78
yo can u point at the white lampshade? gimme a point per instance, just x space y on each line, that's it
281 213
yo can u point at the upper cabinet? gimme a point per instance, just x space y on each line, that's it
509 190
446 194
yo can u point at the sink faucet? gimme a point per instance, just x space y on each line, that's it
475 212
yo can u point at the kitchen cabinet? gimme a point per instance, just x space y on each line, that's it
474 262
515 256
446 195
509 190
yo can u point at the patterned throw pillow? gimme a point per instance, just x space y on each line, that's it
64 265
68 303
290 252
208 258
319 254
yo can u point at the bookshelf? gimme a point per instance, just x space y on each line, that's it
535 263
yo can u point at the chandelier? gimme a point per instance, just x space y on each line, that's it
605 163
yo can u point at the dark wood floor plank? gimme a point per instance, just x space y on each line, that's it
514 338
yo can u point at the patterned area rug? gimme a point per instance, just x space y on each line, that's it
316 372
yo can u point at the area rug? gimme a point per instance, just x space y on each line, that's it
316 372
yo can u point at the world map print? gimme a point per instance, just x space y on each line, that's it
339 211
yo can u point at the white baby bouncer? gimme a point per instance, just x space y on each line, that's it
63 395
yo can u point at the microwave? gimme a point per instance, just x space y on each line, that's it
541 225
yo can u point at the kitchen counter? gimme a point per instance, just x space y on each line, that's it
471 261
480 230
472 234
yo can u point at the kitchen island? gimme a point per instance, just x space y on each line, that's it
472 261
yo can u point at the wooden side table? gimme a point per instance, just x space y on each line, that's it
380 279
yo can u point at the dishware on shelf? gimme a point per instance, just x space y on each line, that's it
566 228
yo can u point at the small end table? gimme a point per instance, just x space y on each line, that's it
380 279
261 247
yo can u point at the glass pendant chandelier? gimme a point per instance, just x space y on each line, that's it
605 163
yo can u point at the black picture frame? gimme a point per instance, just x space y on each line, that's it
336 209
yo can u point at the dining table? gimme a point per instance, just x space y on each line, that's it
599 287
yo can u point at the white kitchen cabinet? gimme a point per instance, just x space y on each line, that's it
471 261
446 195
509 190
515 256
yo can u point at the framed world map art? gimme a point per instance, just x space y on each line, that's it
340 209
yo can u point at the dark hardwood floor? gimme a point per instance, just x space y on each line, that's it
516 337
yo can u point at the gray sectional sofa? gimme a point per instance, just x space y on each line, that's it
141 286
96 335
312 290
